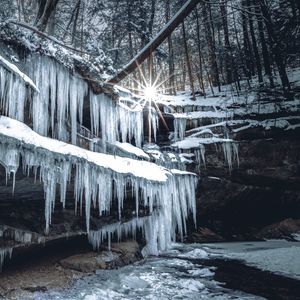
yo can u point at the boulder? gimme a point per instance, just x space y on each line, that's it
121 254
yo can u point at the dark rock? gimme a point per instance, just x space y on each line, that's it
281 230
263 190
204 235
121 254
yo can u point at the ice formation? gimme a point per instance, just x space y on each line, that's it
97 176
197 145
57 109
54 99
179 128
13 94
17 235
116 121
231 153
174 201
4 252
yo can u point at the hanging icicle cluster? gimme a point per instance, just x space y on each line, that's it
98 178
176 200
115 122
56 107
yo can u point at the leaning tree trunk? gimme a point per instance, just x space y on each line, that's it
156 41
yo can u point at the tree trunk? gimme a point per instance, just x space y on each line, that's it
276 47
264 47
254 42
74 30
156 41
214 72
47 8
188 62
228 58
247 46
171 52
201 81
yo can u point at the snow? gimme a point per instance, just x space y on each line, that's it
203 114
132 150
19 131
196 253
191 142
16 70
296 236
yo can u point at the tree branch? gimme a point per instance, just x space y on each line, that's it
44 35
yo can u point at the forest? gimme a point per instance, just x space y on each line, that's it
219 43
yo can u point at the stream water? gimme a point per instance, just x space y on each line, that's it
176 274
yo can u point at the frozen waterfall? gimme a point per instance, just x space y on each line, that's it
98 178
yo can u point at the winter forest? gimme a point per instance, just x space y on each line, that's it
149 149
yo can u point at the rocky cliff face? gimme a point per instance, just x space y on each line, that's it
264 189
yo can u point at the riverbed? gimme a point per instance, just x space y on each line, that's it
198 271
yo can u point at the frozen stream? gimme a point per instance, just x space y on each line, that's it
181 273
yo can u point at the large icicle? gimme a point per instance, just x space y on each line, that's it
4 253
179 128
116 121
231 153
60 101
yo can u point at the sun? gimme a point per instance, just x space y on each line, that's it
150 92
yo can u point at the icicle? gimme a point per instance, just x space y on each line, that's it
13 93
116 122
179 128
200 156
230 150
4 253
